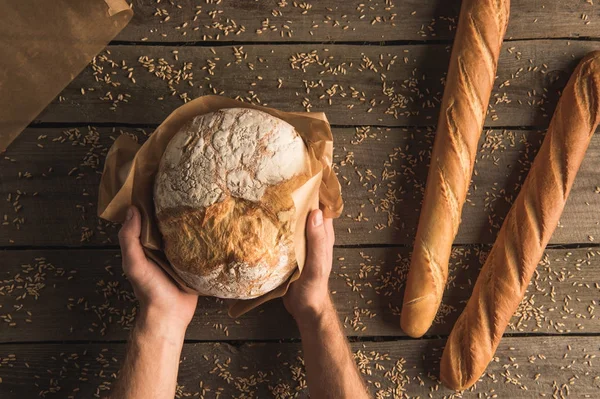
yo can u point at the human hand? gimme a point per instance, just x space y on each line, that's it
163 305
308 297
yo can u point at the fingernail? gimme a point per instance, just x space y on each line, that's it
129 214
318 220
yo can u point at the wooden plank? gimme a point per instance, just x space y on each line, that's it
384 178
81 295
343 21
355 79
381 207
524 368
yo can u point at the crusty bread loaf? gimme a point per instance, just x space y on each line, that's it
223 201
471 74
526 230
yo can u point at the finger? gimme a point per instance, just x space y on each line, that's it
316 245
329 231
129 238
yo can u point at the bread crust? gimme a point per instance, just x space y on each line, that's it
471 74
223 202
526 230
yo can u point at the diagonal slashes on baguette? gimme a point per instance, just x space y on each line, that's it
471 74
526 230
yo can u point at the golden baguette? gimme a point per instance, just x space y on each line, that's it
471 74
526 230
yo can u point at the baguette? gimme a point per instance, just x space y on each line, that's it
471 74
526 230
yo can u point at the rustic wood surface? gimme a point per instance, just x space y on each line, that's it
526 367
377 69
343 21
82 295
383 172
530 74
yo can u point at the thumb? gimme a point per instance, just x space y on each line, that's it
316 246
129 238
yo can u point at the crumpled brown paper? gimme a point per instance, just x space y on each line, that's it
44 46
129 172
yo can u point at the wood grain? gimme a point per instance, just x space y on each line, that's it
354 78
524 368
82 295
343 21
383 172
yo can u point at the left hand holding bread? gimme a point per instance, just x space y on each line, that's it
161 300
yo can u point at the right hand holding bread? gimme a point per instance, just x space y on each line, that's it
526 230
309 295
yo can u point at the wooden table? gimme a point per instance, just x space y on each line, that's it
377 69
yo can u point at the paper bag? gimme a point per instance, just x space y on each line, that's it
44 46
130 169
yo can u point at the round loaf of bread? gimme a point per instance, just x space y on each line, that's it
223 201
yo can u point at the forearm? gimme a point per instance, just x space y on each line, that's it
330 368
151 363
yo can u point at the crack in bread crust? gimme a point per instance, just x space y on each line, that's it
451 201
484 47
459 147
437 273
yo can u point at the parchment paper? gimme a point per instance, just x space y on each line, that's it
129 172
43 46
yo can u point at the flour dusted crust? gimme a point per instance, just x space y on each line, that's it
223 201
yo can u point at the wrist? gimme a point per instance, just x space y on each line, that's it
314 315
150 323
